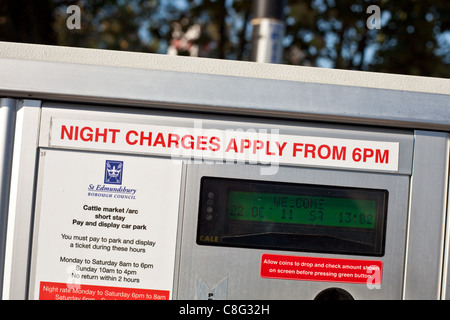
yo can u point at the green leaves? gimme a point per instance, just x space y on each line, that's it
414 37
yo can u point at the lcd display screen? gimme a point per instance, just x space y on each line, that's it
303 210
288 216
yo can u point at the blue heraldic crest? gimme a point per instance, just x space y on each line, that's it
113 172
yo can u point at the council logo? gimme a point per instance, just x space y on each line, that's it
113 172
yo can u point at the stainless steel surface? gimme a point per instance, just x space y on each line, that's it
241 266
212 94
21 204
7 123
414 264
426 227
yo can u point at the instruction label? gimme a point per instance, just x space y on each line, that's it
252 146
60 291
106 226
321 269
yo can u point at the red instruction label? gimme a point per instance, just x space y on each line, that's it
64 291
321 269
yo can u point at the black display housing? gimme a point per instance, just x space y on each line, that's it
217 229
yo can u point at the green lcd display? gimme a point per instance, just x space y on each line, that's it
292 216
300 209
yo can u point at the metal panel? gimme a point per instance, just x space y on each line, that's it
425 232
426 228
414 263
210 265
7 123
445 293
211 93
21 200
397 183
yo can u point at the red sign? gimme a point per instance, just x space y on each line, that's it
64 291
321 269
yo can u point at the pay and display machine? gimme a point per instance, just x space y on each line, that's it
146 184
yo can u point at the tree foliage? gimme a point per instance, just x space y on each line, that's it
413 39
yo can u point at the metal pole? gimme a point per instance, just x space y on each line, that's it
268 30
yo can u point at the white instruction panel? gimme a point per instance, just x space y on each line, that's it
105 227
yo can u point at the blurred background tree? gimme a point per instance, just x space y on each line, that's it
414 37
